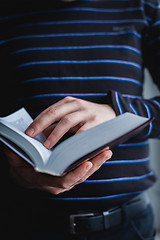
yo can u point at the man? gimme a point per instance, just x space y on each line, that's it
74 65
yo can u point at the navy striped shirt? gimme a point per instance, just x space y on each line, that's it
95 50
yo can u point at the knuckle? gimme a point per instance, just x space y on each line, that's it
78 101
68 98
98 165
52 111
66 120
94 117
64 185
81 180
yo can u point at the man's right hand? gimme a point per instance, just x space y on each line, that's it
24 174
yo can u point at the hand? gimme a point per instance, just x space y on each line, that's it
72 114
24 174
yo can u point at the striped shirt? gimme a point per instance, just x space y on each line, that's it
95 50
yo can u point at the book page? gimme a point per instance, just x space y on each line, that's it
92 141
19 121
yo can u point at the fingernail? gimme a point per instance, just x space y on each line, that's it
47 144
30 131
109 154
88 167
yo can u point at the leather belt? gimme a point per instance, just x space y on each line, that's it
78 222
92 222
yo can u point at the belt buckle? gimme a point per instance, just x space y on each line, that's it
73 217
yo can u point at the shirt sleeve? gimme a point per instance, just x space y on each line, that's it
151 57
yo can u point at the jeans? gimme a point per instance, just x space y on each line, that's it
139 228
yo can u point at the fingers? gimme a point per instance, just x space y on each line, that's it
68 122
97 162
48 130
25 175
67 182
71 114
76 176
50 115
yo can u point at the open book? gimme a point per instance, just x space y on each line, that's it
72 151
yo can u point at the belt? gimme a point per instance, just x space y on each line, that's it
92 222
79 222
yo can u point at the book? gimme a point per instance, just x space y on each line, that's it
71 152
